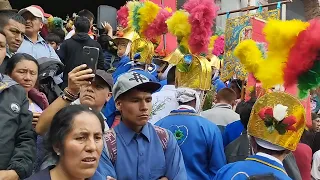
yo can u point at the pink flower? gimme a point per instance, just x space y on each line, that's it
290 120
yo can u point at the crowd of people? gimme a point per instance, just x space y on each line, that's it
138 114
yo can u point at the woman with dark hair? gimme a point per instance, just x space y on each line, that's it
75 141
23 69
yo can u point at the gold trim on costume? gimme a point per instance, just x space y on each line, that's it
268 164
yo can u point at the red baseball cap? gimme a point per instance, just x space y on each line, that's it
46 15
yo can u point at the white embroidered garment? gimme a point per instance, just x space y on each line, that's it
163 102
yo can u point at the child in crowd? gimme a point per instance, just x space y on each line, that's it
54 40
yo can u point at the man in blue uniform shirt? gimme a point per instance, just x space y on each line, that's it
135 149
276 124
199 139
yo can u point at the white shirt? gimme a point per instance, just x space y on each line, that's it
163 102
221 114
315 171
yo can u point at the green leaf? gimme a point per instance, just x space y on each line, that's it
182 67
281 128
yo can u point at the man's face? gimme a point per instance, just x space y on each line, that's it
135 107
95 95
14 32
33 24
316 125
2 48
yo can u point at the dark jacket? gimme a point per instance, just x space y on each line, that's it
311 139
17 139
71 50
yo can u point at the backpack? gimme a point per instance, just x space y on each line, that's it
111 143
49 68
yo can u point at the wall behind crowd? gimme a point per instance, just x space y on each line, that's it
56 7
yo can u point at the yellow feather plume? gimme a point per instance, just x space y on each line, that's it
211 45
178 24
168 9
249 55
281 36
148 12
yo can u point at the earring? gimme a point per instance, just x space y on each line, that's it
58 153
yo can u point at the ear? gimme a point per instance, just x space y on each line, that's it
41 25
109 96
56 149
118 105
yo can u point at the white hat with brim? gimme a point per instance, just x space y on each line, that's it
34 11
268 145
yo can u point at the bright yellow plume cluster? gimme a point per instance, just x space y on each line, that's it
281 36
149 12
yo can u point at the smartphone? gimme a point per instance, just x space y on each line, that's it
90 57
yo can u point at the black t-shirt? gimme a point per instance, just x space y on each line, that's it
42 175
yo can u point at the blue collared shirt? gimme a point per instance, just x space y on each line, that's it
141 157
200 142
38 49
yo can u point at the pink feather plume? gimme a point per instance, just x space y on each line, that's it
218 48
158 26
202 15
304 53
122 16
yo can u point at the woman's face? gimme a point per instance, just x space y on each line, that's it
82 146
26 74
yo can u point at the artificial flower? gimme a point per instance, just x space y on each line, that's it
280 112
265 111
290 120
291 128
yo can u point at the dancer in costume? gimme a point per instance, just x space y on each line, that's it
193 77
276 124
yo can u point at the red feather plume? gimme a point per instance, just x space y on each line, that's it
304 53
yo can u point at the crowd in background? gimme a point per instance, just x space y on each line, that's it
56 114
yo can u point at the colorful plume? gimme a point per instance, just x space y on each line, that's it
303 66
249 55
147 14
218 48
134 17
122 16
179 25
202 13
158 26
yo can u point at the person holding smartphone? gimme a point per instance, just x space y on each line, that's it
72 51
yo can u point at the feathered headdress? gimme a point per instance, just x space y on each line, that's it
193 28
303 66
281 36
216 46
55 22
202 13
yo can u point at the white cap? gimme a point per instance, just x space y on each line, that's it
33 10
268 145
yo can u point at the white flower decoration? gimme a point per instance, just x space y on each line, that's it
280 112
